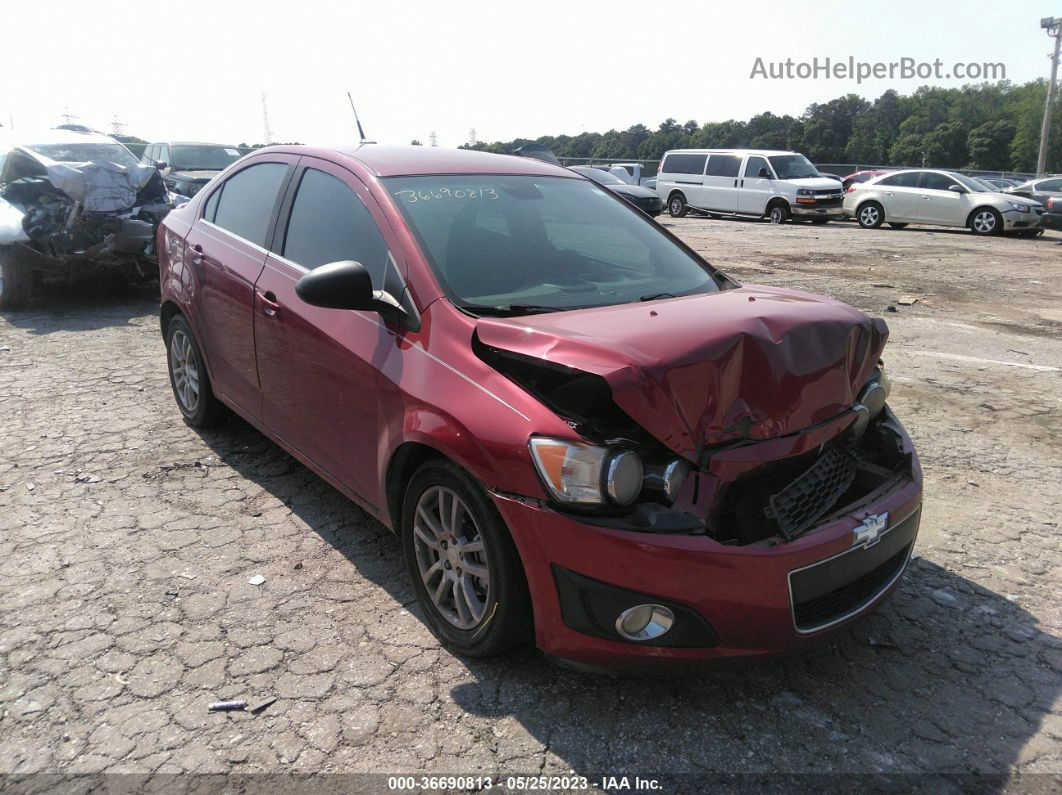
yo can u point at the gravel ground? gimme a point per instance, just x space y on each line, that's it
128 540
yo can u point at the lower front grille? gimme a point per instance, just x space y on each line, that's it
837 603
797 507
832 590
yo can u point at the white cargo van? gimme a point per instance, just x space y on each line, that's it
760 183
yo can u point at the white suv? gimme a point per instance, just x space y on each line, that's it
761 183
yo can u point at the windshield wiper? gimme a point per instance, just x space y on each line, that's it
655 296
513 309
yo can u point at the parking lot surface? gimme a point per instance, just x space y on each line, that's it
128 541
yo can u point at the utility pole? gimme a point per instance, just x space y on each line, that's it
116 126
472 137
433 138
265 122
1053 26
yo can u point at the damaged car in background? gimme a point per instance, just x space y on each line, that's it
583 433
72 202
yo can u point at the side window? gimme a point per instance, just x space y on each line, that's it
753 166
723 166
212 206
146 158
938 181
1050 185
330 223
163 154
247 200
684 164
908 179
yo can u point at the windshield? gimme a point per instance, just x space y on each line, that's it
83 153
198 157
599 176
973 184
793 167
522 244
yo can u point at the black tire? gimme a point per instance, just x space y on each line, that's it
895 225
870 215
16 280
778 213
985 221
206 410
506 619
676 206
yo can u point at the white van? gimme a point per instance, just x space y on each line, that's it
760 183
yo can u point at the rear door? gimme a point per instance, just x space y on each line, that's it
900 196
226 247
322 390
938 204
754 191
721 182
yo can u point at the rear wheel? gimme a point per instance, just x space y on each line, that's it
16 280
986 221
870 215
676 206
895 225
465 568
188 376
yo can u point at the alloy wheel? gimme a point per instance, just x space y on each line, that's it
451 557
868 215
185 371
984 222
777 215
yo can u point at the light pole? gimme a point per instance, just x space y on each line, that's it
1053 26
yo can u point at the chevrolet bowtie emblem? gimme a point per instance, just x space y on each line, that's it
869 533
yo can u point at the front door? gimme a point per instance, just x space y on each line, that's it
226 246
938 204
320 368
754 190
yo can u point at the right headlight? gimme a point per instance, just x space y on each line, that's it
584 474
1021 208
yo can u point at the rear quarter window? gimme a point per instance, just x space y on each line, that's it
684 164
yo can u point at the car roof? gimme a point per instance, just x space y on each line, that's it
53 136
192 143
385 160
763 152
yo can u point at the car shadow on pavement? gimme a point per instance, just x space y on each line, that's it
85 304
947 677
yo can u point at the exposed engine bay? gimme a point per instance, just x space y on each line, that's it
97 211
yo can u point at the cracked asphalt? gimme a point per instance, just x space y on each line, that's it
127 541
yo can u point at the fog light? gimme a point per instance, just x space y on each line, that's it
644 622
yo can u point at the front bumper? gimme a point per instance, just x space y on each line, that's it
1052 221
830 209
1012 219
757 601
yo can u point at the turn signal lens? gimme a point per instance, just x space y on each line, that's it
571 470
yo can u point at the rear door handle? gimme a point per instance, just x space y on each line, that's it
270 305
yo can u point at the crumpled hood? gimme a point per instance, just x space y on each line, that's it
750 363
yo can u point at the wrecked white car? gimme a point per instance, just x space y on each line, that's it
71 202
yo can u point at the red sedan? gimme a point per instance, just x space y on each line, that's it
582 432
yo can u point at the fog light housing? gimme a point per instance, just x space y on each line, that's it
644 622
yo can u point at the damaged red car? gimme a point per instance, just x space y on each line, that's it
583 433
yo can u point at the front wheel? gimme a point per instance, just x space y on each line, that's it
778 214
188 376
986 221
16 280
465 568
870 215
676 206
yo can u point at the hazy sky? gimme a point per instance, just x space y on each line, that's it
197 70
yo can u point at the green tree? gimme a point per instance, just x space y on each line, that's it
989 145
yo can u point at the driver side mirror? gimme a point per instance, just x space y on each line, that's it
161 165
957 189
765 174
348 285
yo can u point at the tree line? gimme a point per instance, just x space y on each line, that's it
988 126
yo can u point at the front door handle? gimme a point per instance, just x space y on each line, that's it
197 254
270 305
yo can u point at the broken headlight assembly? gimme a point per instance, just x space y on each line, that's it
580 474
